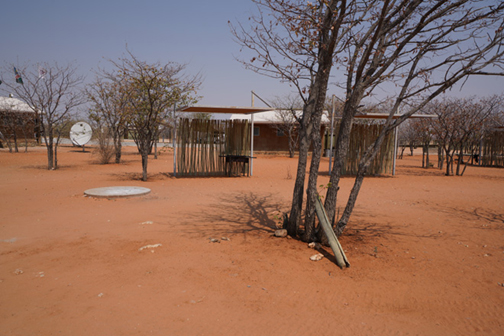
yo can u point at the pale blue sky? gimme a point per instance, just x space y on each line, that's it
193 32
90 32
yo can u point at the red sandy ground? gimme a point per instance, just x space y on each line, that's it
427 253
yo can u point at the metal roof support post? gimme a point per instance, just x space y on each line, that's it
252 144
251 165
332 135
396 131
174 141
396 140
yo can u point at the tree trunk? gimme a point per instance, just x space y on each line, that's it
16 148
9 145
26 142
145 158
297 197
343 221
449 163
312 112
117 147
6 141
465 166
403 148
309 234
427 155
55 156
292 143
340 155
440 157
50 152
460 160
155 147
56 149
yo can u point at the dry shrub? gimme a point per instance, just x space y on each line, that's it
105 150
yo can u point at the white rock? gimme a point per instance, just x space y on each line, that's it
280 233
149 247
317 257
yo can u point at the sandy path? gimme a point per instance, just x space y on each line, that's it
427 253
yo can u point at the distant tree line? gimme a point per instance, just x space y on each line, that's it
134 95
460 127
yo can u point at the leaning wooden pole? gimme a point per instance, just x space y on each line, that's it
339 254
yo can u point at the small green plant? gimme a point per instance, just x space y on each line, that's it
322 188
279 219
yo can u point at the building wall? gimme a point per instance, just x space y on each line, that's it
268 139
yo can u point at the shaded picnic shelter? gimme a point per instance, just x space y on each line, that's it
491 151
210 147
383 116
213 147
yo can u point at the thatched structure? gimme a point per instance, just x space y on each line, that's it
203 145
493 148
363 134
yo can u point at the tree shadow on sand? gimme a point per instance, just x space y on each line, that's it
95 161
411 170
490 218
366 231
236 213
44 167
151 177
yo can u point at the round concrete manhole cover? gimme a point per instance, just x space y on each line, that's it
117 191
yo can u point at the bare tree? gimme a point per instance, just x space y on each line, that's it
460 127
414 133
425 137
152 90
407 137
54 92
492 108
109 110
287 120
422 48
295 41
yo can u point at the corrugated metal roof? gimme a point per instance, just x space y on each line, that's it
224 109
385 116
262 115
